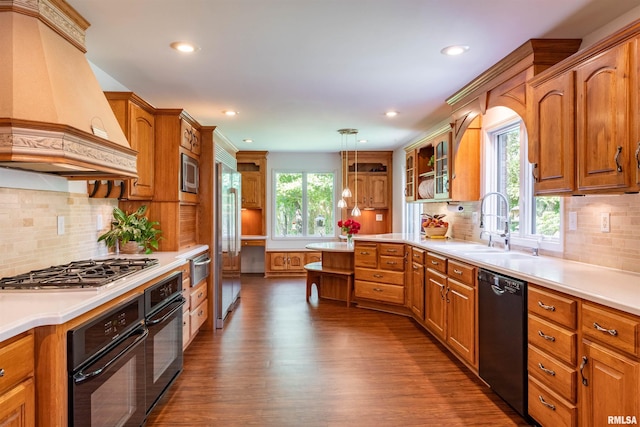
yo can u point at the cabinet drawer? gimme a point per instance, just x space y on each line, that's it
366 255
611 327
392 249
554 339
436 262
553 373
548 408
418 255
17 361
394 263
379 292
198 317
464 273
260 242
380 276
553 306
198 294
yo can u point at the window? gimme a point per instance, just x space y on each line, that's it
531 219
304 204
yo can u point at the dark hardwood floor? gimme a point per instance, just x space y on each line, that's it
283 362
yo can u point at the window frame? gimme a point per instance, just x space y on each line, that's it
304 236
523 237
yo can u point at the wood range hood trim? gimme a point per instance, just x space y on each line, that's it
50 100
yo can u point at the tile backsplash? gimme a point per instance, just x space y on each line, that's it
29 228
619 248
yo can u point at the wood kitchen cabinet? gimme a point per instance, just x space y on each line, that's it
417 284
609 365
552 139
17 388
137 120
289 263
450 309
374 189
410 176
379 272
252 166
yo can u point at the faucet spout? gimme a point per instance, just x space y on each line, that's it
507 226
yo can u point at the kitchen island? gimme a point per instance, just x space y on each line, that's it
335 271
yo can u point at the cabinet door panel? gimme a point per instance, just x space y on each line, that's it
17 406
251 188
435 286
461 317
417 290
602 116
554 137
377 189
613 385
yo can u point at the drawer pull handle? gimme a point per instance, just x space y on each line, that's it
617 158
611 332
377 289
377 276
582 365
546 307
415 268
548 405
364 253
392 250
435 262
199 295
392 262
546 337
416 255
455 270
200 313
1 372
545 370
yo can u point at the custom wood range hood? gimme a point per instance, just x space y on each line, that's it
54 117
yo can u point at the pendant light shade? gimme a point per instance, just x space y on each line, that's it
342 203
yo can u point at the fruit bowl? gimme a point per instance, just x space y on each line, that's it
435 231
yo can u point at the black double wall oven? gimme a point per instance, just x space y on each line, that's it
121 363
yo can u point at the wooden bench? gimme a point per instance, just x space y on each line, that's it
315 273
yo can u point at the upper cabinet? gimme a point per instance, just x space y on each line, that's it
252 166
584 109
410 176
371 188
136 118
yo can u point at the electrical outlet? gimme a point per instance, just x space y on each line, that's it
378 217
60 225
474 217
573 221
605 225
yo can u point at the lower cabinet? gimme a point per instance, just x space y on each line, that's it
417 283
198 310
289 263
17 387
380 272
450 304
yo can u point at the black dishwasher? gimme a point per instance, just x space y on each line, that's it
502 327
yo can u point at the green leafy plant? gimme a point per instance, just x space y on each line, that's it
135 227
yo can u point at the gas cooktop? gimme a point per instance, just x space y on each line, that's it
78 274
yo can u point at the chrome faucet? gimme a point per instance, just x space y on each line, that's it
506 235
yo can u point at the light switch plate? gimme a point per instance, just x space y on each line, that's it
99 224
573 221
605 223
378 217
60 219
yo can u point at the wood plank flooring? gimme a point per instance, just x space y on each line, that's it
283 362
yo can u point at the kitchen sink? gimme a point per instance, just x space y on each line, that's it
500 254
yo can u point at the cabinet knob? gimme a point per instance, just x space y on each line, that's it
1 372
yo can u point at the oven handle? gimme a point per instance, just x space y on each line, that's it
151 322
199 263
80 377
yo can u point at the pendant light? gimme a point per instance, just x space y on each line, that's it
356 209
346 192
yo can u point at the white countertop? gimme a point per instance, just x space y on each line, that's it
23 310
330 247
252 237
614 288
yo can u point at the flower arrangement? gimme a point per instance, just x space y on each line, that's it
349 227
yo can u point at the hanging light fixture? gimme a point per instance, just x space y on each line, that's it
356 209
346 192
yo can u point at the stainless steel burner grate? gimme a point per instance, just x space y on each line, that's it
78 274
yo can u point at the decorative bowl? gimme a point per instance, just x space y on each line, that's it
435 231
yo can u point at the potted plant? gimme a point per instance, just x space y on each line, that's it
134 227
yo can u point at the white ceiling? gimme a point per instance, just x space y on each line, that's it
298 70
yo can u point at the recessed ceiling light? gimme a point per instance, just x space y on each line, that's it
391 113
454 50
230 113
362 141
184 47
248 140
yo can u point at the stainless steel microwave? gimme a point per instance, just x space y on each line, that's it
190 178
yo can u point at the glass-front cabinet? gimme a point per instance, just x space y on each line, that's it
441 161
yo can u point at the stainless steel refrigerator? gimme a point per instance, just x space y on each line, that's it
227 241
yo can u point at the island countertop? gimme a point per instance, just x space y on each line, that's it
330 247
23 310
607 286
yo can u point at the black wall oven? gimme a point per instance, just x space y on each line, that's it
163 316
106 365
